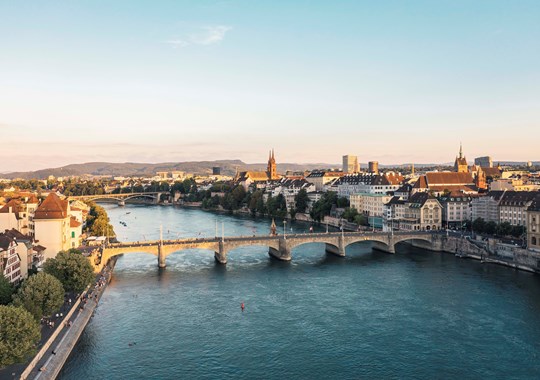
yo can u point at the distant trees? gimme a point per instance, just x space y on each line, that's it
323 206
41 295
19 335
72 269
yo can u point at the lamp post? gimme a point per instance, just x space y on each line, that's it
284 230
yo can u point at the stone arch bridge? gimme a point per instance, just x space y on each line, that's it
279 247
120 198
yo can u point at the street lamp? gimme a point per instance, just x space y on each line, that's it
284 230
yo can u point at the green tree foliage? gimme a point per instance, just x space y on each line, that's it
256 203
350 214
277 206
361 220
503 229
6 290
479 225
517 231
342 202
72 269
322 207
301 201
19 335
41 295
97 221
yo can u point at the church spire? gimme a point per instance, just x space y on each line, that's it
460 150
273 158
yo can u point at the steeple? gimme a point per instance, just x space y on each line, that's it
412 169
460 150
271 168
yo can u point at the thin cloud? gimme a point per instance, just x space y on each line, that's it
207 35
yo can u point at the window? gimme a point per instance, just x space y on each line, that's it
533 240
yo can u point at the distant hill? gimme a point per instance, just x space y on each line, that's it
228 167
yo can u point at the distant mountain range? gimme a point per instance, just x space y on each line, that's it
228 167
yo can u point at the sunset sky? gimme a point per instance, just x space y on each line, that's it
160 81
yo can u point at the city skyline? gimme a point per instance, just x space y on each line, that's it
178 81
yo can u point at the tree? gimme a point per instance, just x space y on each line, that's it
6 290
41 295
72 269
361 220
301 201
350 214
19 335
490 228
479 225
504 229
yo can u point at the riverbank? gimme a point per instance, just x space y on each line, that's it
51 358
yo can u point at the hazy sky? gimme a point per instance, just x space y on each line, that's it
151 81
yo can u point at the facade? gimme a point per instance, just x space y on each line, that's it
422 212
533 225
290 188
10 262
368 183
18 213
371 205
53 226
484 162
513 206
487 206
350 164
456 209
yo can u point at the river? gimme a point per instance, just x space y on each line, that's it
373 315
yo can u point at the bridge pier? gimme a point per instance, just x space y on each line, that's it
338 251
283 253
221 255
161 257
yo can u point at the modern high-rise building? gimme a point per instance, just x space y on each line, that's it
484 162
216 170
350 164
373 167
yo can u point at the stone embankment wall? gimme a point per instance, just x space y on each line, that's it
491 251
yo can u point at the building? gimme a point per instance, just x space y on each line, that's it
373 167
249 177
162 175
368 183
456 209
321 178
53 225
484 162
216 170
487 206
290 188
10 262
460 165
439 183
18 213
350 164
533 225
371 205
513 206
422 212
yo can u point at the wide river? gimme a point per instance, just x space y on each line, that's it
371 315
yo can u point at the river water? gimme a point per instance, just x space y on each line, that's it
416 314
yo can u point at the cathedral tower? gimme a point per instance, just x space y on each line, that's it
271 168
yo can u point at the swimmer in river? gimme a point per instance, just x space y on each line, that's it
242 306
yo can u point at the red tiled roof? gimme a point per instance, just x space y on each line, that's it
13 203
73 223
449 178
52 208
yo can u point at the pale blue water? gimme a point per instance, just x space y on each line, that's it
415 314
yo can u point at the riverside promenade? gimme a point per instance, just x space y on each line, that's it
49 363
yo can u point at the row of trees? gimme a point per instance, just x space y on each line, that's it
479 225
39 296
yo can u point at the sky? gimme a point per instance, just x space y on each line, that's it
166 81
